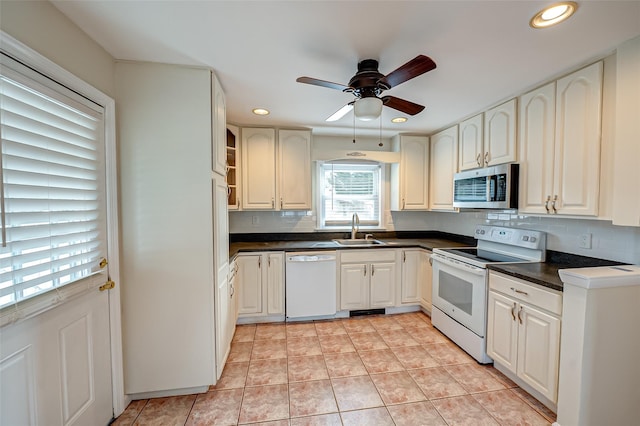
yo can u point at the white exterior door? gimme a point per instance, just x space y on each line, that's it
56 347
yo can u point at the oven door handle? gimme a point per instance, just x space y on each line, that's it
458 265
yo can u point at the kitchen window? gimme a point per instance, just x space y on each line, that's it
52 187
346 188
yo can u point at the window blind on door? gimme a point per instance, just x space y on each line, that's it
52 187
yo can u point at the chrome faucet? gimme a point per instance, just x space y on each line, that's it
355 225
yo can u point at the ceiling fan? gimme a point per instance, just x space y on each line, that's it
368 83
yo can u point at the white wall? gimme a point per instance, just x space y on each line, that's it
43 28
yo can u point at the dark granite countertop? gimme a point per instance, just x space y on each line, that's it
542 273
323 241
546 273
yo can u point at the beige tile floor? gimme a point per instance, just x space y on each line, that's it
376 370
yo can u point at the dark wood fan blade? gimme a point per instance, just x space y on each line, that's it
316 82
402 105
415 67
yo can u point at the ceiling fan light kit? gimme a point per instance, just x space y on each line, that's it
367 109
368 84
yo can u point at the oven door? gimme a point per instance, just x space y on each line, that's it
460 291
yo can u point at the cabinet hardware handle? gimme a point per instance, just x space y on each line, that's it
259 262
486 158
520 315
403 204
553 204
373 270
365 270
273 203
546 203
228 191
431 261
478 159
519 291
513 311
233 291
404 256
269 260
281 203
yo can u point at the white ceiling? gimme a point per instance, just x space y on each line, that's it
485 51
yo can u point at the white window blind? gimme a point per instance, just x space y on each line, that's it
349 188
52 187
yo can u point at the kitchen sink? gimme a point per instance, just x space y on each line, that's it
358 242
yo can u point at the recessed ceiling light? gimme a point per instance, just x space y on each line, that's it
553 14
260 111
399 120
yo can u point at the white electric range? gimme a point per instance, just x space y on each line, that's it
460 282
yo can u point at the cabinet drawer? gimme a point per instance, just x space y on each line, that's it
367 256
525 291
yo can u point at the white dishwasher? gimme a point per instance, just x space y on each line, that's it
310 279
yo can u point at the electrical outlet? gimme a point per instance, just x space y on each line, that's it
255 220
584 241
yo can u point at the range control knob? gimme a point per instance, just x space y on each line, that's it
525 238
532 239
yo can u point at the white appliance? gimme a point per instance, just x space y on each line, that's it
310 284
460 282
600 346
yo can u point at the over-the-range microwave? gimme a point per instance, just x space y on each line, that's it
488 188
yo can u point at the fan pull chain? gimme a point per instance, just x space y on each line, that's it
354 127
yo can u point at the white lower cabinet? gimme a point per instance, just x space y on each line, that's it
426 279
260 285
523 333
367 279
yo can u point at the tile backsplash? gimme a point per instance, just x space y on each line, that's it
610 242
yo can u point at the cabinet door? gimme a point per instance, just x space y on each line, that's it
294 165
443 164
354 286
536 149
577 147
258 169
219 128
471 153
414 172
383 284
250 284
223 331
426 279
539 350
233 167
500 134
412 271
502 330
275 283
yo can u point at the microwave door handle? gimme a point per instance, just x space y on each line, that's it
492 187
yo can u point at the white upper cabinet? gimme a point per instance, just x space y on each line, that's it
442 166
276 176
219 128
536 151
626 173
560 126
294 171
500 134
471 151
410 177
258 169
